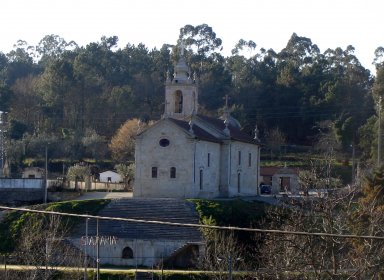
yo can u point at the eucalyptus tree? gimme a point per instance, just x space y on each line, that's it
52 47
378 61
56 88
3 67
202 48
20 63
147 82
5 97
201 39
215 83
348 94
243 45
200 43
92 67
369 133
296 83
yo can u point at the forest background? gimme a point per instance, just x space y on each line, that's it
75 100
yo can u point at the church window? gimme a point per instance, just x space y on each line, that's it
164 142
209 160
173 172
127 253
178 101
249 159
154 172
238 182
239 157
201 179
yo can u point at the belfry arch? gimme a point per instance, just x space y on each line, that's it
178 101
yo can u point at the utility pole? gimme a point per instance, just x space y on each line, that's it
2 143
379 136
97 251
85 250
353 164
46 175
230 267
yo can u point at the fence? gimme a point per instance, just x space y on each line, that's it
99 186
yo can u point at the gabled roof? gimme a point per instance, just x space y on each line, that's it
209 129
217 127
197 131
109 172
235 132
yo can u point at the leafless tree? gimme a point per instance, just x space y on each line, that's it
316 255
275 139
223 254
43 247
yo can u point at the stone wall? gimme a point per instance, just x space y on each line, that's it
179 154
145 252
7 183
99 186
21 191
243 169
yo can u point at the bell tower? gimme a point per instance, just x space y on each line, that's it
181 92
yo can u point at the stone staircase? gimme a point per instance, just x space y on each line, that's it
165 210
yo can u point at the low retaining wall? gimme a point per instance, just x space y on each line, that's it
94 186
16 196
7 183
21 191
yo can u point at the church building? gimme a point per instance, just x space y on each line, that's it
188 155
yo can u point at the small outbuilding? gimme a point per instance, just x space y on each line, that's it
281 179
110 177
33 173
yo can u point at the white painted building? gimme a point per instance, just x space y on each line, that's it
33 173
187 155
110 177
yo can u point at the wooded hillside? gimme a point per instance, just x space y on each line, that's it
76 98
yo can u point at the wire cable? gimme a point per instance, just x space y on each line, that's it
258 230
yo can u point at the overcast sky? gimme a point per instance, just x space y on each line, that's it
328 23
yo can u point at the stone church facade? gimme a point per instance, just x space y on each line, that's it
187 155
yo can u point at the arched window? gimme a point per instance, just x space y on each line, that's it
127 253
178 101
173 172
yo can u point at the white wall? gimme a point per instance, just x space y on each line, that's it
189 156
150 154
145 252
211 173
21 183
248 173
115 177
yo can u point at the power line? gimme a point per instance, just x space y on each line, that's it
258 230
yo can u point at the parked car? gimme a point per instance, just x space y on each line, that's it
265 189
